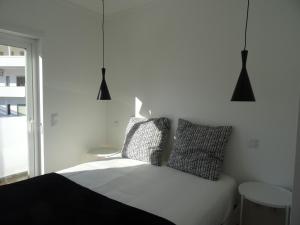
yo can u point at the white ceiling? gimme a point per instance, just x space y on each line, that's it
111 6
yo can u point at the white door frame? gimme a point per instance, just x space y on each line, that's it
33 97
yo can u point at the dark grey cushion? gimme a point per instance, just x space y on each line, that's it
146 139
199 150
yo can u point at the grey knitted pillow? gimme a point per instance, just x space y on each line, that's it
199 150
146 139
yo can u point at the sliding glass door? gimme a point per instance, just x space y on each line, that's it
17 149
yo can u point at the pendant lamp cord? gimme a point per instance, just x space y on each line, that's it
103 33
245 44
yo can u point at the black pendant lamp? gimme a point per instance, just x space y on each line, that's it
243 91
103 93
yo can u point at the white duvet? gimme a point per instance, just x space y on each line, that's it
181 198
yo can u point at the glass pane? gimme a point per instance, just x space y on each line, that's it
13 118
3 110
20 81
4 50
22 110
16 51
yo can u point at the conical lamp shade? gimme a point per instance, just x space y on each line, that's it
103 92
243 91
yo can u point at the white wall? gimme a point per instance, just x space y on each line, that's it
13 145
70 53
295 216
182 60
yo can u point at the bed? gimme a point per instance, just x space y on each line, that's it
119 191
132 187
181 198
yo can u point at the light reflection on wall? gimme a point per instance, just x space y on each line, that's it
138 107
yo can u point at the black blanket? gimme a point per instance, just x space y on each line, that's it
52 199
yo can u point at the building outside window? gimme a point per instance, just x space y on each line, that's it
3 110
12 82
7 81
21 109
20 81
8 110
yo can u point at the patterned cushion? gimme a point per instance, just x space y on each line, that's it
146 139
199 150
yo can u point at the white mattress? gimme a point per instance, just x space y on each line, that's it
179 197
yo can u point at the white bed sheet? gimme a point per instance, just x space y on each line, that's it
179 197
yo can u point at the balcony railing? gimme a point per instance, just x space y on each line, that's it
11 61
13 145
13 92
